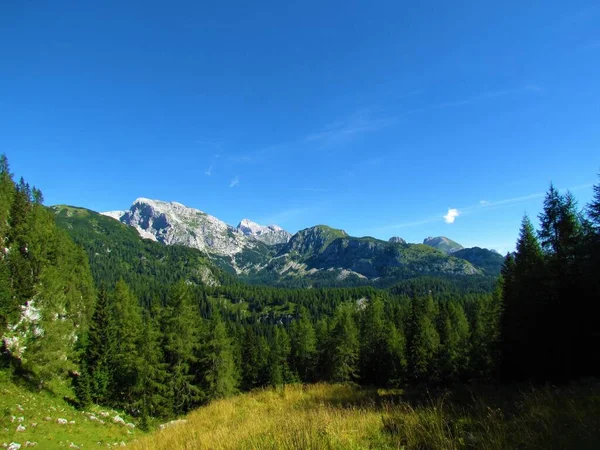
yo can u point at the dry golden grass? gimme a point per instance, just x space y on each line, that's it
325 416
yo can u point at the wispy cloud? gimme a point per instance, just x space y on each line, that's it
482 205
345 130
235 182
451 216
208 172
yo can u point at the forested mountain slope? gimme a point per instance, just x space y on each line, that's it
117 251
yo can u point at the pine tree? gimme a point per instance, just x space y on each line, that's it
255 360
99 350
593 208
523 297
180 323
484 336
151 392
304 347
453 329
343 344
396 348
375 363
280 372
125 363
423 340
219 374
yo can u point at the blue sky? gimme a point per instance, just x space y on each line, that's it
375 117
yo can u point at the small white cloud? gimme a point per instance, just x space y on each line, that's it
235 182
208 172
484 202
452 215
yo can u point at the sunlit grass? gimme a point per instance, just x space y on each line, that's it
345 417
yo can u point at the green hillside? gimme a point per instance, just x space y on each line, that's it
116 251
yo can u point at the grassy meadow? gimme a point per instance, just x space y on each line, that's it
31 419
326 416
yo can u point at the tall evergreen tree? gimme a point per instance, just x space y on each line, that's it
343 345
303 347
151 391
99 350
375 362
280 372
126 362
255 360
220 376
453 329
180 328
423 340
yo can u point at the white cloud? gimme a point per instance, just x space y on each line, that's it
451 216
235 182
208 172
484 202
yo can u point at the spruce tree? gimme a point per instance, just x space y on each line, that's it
126 360
99 350
280 372
453 329
220 375
375 362
180 326
423 340
343 344
396 351
151 391
254 360
304 347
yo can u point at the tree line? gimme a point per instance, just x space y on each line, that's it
551 290
168 359
159 349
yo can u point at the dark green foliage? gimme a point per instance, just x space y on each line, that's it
254 359
453 329
423 340
303 347
220 377
99 351
343 345
46 289
375 359
180 324
550 292
126 358
150 393
279 366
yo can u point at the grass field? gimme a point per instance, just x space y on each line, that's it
345 417
31 418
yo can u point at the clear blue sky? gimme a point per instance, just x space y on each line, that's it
375 117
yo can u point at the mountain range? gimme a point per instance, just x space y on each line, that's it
319 255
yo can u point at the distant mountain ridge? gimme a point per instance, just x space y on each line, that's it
318 255
442 243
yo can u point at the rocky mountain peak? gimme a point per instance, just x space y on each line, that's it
270 234
443 244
